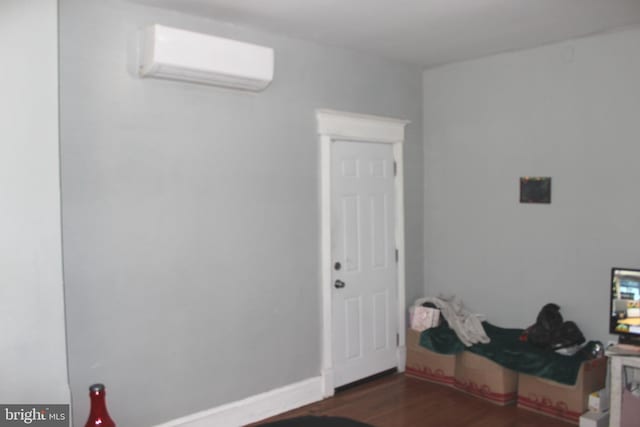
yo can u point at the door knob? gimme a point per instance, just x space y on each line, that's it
339 284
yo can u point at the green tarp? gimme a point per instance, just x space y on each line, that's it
507 350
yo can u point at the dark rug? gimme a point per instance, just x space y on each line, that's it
314 421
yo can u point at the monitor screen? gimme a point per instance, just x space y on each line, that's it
625 301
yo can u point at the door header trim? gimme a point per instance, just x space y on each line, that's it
360 127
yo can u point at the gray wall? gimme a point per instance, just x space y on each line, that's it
33 361
190 213
570 111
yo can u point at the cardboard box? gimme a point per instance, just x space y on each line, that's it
566 402
427 365
484 378
599 401
594 419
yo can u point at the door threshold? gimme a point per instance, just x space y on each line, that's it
366 380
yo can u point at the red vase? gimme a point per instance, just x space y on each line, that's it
98 415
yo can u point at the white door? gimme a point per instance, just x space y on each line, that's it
364 269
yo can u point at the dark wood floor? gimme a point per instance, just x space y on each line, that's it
399 401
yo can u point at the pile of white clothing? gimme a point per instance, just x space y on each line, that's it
467 325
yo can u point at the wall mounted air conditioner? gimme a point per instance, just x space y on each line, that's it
175 54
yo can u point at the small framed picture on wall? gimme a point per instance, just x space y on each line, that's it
535 189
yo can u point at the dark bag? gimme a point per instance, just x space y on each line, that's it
549 317
567 335
550 332
540 333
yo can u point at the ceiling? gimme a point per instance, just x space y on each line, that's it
425 32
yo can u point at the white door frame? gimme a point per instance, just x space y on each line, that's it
337 125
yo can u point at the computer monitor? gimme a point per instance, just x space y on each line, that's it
624 307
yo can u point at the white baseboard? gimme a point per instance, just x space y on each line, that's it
255 408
